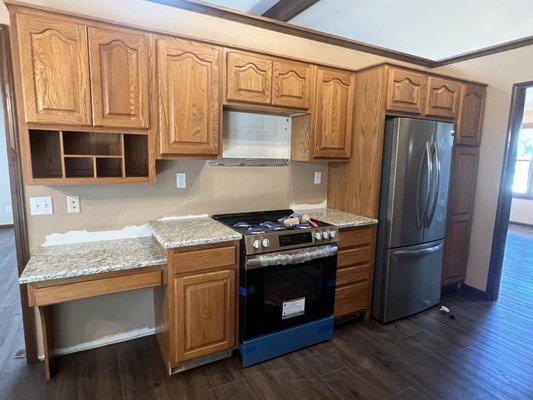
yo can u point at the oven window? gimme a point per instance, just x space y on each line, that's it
292 284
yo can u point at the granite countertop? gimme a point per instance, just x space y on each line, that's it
89 258
341 219
193 231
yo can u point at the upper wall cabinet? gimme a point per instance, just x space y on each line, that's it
119 78
54 68
291 84
470 118
189 98
248 78
443 97
333 113
406 91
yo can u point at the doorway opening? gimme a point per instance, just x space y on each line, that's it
511 264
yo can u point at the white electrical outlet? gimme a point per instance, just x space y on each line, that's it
41 206
9 210
181 180
73 204
318 178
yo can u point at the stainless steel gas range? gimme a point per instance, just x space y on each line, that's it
287 282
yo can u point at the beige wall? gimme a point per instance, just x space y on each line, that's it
500 71
522 211
230 189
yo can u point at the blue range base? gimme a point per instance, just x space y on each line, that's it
265 347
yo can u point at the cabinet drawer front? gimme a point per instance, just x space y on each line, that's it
352 274
356 237
198 260
406 91
351 299
249 78
354 256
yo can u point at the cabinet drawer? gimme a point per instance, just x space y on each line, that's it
351 299
354 256
356 237
352 274
197 260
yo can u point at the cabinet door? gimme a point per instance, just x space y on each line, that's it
54 67
119 78
205 314
291 84
470 119
406 91
249 78
443 98
189 100
333 113
461 204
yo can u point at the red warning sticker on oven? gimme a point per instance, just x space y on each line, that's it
293 308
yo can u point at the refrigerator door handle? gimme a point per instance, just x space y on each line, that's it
417 253
436 186
426 156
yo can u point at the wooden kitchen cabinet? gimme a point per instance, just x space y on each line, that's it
470 120
291 84
119 77
53 67
406 91
355 270
205 314
460 210
443 97
248 78
332 116
189 98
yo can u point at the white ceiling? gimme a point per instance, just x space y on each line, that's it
433 29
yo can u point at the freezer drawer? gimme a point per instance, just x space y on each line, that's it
412 280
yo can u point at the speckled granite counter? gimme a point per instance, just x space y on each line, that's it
90 258
184 232
341 219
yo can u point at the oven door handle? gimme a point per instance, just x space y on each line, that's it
290 257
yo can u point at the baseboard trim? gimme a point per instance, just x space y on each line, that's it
478 293
523 224
103 341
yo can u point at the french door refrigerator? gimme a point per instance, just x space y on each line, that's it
413 205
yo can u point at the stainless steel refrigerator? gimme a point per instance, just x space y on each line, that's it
413 205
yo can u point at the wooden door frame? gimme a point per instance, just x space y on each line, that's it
17 186
506 195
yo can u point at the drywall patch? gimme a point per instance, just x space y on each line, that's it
128 232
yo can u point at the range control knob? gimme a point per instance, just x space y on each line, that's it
318 235
332 234
325 234
265 242
256 243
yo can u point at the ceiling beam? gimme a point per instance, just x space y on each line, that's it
289 29
285 10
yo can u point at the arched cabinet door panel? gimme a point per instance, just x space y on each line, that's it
248 78
443 98
470 119
54 69
291 84
333 113
406 91
189 98
119 78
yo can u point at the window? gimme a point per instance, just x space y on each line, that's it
523 175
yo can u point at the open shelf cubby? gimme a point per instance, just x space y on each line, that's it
88 157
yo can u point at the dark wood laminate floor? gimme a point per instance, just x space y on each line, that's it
486 353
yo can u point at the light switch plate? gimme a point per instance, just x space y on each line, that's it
73 204
318 178
41 206
181 180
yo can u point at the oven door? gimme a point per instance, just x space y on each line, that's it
284 289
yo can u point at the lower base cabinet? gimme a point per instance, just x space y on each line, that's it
355 269
196 310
